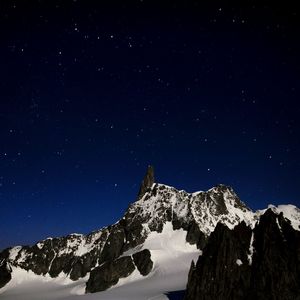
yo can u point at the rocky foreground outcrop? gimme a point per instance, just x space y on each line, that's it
263 263
5 274
110 272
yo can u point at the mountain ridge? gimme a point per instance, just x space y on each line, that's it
118 251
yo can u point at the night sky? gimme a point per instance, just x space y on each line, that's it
94 91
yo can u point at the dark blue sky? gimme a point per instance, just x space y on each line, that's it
92 93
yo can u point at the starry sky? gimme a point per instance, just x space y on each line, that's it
91 92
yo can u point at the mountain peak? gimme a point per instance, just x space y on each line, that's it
147 181
230 196
221 188
164 228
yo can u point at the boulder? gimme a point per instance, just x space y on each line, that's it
109 273
143 261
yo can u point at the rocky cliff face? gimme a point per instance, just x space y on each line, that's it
245 263
109 273
212 218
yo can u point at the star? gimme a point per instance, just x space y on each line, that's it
89 98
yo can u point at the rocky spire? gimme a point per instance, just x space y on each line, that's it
147 182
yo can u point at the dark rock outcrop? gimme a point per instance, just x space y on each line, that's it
276 261
36 259
195 236
147 182
143 261
109 273
82 265
5 274
114 243
231 269
133 230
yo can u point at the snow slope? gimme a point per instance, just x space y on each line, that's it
170 254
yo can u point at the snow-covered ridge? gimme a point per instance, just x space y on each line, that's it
207 208
73 244
162 203
170 253
219 204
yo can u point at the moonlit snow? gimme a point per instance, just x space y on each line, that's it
171 255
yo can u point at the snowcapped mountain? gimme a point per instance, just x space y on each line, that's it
149 251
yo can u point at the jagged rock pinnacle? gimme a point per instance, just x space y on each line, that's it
147 181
